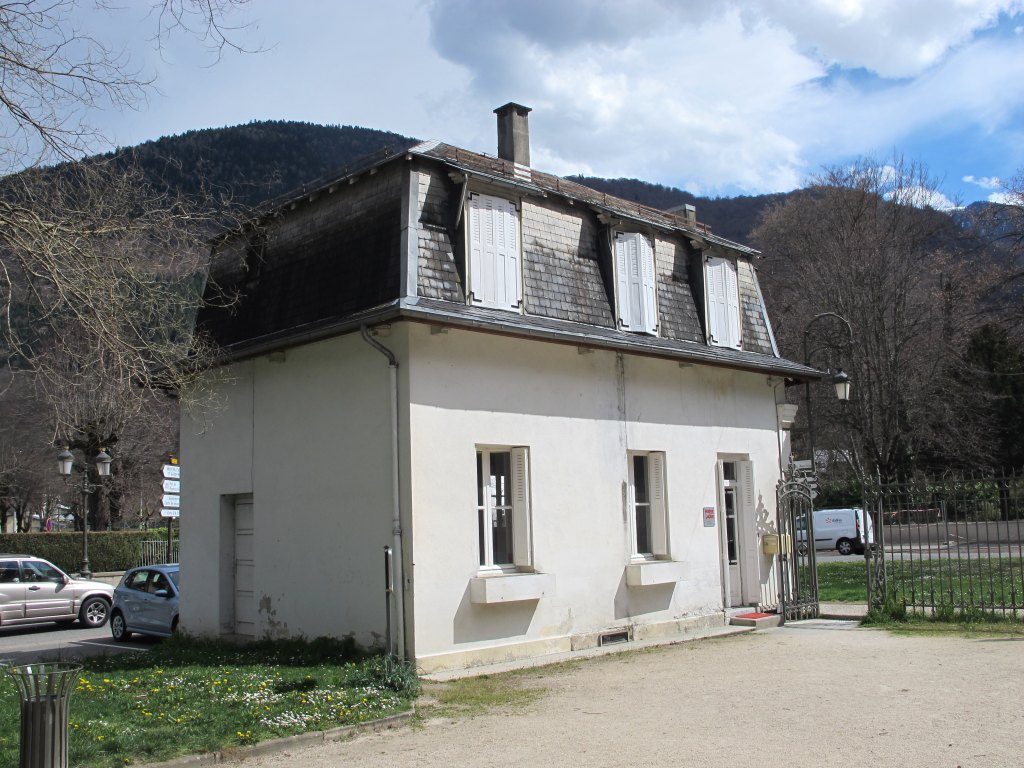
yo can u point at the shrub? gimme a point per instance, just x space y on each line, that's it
108 550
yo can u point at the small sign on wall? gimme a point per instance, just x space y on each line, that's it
709 517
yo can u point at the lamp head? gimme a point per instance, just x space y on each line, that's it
65 462
103 463
842 384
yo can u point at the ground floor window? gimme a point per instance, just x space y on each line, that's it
647 504
503 507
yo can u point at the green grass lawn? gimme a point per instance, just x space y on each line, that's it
977 582
185 697
842 582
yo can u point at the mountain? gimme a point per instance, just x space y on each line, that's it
258 161
730 217
263 160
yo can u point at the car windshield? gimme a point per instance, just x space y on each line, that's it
174 576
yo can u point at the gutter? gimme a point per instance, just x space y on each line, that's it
397 647
574 334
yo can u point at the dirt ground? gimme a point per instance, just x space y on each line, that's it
809 694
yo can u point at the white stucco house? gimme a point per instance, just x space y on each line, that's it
558 409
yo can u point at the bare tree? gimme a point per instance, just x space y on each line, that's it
863 242
1003 225
101 275
55 76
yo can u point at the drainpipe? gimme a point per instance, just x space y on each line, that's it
396 520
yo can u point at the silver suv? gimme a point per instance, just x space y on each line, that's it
33 591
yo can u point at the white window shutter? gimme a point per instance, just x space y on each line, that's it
659 503
494 252
748 499
715 297
476 247
721 290
521 522
622 279
510 256
648 286
732 304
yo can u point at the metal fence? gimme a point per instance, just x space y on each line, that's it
154 552
951 547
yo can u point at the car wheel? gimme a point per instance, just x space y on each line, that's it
94 612
844 547
118 627
174 626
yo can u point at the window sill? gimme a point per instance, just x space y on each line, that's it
653 572
511 587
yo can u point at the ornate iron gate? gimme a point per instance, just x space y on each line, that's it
798 570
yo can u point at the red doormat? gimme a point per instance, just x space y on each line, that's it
755 615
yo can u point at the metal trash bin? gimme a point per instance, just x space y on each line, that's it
45 690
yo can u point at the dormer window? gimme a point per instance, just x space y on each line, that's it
723 302
494 253
635 291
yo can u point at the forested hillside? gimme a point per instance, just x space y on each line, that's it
262 160
257 161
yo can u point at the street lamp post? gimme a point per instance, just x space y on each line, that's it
66 465
839 379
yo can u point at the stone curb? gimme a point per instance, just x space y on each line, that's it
236 754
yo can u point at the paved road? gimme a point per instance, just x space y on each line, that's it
47 642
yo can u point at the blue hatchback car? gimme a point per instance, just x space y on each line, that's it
146 602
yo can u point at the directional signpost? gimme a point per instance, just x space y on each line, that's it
171 501
171 487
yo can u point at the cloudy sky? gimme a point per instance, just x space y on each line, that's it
719 98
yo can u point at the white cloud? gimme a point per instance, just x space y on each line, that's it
719 98
741 95
892 39
985 182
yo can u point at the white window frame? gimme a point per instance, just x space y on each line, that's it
520 508
657 504
722 302
636 294
494 252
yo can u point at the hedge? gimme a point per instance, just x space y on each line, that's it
108 550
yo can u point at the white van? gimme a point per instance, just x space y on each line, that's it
839 529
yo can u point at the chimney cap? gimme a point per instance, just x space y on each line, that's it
513 107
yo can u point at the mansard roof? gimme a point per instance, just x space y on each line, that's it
328 259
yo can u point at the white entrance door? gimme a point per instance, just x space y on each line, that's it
245 597
732 568
738 531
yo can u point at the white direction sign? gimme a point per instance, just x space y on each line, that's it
171 486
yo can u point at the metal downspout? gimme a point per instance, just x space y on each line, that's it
396 526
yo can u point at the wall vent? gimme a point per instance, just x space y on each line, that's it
613 638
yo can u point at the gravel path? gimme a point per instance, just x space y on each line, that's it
809 694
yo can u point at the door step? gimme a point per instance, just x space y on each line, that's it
756 620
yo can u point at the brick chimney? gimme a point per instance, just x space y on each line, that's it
514 133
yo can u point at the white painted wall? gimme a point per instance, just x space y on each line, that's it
309 437
578 414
